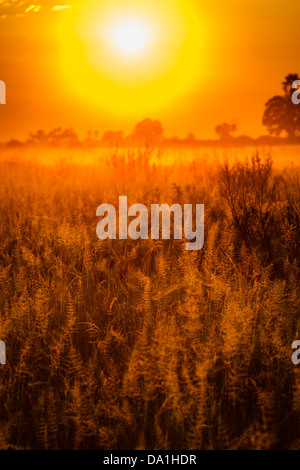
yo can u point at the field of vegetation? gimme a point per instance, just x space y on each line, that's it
142 344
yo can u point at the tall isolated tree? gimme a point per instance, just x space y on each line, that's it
281 115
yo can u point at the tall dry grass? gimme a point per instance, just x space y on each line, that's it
141 344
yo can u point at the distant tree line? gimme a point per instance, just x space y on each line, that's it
281 116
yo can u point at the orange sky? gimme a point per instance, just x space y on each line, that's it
245 49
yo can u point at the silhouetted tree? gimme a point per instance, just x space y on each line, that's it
38 138
63 138
288 81
190 140
56 138
281 115
112 138
148 132
225 130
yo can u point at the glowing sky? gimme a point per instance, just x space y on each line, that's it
106 65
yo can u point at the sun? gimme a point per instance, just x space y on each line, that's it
131 57
130 36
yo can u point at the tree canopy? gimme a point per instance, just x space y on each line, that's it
281 115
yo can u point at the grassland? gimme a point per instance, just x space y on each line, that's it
141 344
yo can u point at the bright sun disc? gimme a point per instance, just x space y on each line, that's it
132 58
130 36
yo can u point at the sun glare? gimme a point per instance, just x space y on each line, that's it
129 57
130 36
